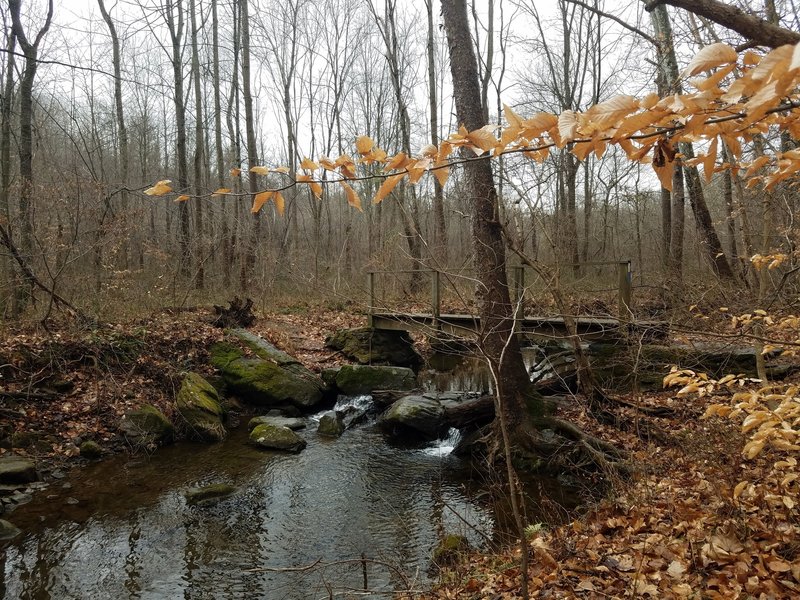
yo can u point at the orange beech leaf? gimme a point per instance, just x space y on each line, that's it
346 166
364 144
259 170
637 122
441 173
221 192
182 198
445 149
608 113
599 147
235 172
649 101
309 165
765 98
483 139
160 188
538 124
508 135
398 161
582 149
709 57
375 155
281 170
714 80
316 188
261 199
732 142
429 151
280 205
327 164
710 160
386 187
514 120
416 169
352 197
773 65
567 127
740 87
794 64
756 165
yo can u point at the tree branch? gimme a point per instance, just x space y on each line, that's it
751 27
617 20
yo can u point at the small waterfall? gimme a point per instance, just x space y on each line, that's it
444 446
353 403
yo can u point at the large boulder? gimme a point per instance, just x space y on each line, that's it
8 530
277 438
376 346
16 469
147 425
418 416
290 422
269 377
331 424
352 380
198 404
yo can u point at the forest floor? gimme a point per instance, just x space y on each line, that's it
698 519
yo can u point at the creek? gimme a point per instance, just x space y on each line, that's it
122 528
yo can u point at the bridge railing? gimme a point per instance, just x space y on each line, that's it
448 279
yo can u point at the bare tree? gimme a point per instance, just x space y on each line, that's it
31 52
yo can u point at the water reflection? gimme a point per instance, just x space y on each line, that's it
132 535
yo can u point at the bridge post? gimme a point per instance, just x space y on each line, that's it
625 290
371 305
436 300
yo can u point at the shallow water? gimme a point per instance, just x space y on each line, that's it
122 528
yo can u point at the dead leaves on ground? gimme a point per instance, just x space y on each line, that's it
704 522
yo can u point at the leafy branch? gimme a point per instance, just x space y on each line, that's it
763 95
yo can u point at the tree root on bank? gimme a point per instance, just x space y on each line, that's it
558 446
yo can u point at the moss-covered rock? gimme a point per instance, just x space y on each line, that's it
17 469
215 491
264 382
279 421
198 404
147 425
8 530
416 416
277 438
331 424
376 346
91 450
363 379
450 550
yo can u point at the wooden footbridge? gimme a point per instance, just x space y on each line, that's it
467 326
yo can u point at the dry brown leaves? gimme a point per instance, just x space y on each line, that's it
68 385
680 530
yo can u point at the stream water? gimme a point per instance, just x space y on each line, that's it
122 528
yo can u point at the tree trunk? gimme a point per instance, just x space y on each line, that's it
496 311
220 156
249 262
668 66
198 153
121 128
26 196
438 192
175 27
5 169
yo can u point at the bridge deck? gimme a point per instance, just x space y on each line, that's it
590 328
